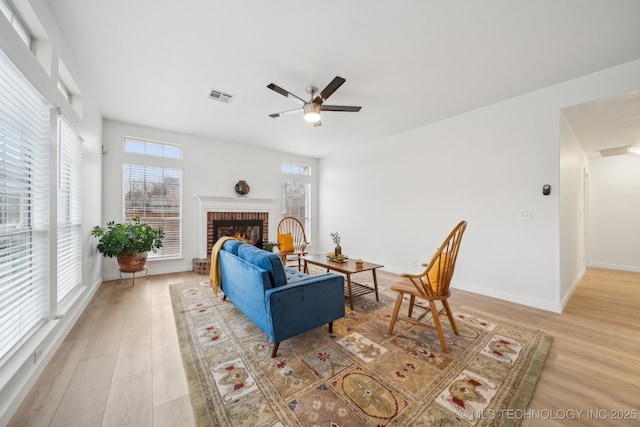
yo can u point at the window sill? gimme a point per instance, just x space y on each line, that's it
173 258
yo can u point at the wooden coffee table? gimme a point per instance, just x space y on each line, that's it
348 267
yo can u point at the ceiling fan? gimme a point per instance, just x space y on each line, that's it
316 104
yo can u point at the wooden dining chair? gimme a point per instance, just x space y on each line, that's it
431 285
292 240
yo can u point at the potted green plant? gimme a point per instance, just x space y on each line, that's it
129 242
269 246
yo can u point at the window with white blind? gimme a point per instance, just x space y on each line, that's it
69 208
154 194
24 208
296 193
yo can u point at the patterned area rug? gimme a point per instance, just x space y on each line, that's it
358 375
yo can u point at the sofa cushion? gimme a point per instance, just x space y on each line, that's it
294 276
232 246
267 261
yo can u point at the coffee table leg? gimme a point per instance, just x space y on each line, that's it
375 283
349 289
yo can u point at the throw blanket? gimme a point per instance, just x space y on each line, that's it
214 275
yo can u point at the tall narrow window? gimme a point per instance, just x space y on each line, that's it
24 208
154 194
296 193
69 209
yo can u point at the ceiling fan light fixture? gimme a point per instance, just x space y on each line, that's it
311 109
311 112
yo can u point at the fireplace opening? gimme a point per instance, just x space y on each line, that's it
247 230
252 226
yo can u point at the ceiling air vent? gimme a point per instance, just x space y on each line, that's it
218 95
617 151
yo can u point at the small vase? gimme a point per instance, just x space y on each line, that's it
337 251
242 188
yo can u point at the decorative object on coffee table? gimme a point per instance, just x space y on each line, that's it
336 240
242 188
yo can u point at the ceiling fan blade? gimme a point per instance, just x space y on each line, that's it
283 92
327 91
339 108
285 113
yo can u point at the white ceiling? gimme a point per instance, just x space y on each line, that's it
606 123
408 64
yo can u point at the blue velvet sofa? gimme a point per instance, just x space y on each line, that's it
281 301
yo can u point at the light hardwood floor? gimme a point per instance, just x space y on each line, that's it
121 364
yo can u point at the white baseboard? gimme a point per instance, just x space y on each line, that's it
154 268
536 303
608 266
518 299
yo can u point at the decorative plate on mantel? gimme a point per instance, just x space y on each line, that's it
242 188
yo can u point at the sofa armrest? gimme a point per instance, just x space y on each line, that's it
244 284
304 305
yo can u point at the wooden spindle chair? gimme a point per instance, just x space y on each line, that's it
292 226
431 285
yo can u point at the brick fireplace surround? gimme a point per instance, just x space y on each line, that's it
229 208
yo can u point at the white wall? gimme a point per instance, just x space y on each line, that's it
485 167
573 166
395 199
210 168
614 210
20 372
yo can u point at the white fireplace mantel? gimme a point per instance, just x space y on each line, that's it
208 204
